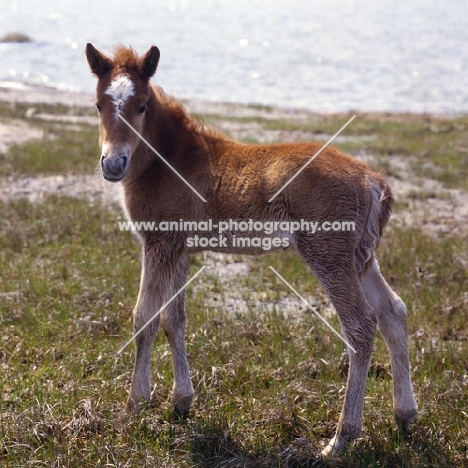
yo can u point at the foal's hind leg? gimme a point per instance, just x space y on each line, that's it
173 321
391 315
358 328
339 278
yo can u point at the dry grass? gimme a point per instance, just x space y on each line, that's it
269 385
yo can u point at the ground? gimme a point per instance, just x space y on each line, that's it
267 373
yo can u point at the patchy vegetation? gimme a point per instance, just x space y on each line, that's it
268 383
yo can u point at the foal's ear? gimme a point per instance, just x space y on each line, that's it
149 62
98 62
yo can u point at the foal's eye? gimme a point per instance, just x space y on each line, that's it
142 109
98 107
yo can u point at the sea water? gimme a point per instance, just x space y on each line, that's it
326 56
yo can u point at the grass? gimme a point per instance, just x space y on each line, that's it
265 383
65 147
269 386
60 151
19 110
436 147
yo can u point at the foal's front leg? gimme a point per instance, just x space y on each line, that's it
173 320
155 289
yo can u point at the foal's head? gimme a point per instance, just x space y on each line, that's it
122 92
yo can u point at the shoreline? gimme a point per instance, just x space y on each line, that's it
19 92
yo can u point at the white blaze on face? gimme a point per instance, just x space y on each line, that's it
120 90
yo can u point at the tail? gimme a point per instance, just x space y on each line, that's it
378 214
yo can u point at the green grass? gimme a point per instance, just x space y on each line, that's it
435 147
19 110
269 387
60 151
65 147
265 383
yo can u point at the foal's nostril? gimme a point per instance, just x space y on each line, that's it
113 166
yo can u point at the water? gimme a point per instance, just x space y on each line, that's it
388 55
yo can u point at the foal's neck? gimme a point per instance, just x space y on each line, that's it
173 130
183 141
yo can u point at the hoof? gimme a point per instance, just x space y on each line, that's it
334 447
403 419
123 418
179 416
182 405
328 451
134 405
341 441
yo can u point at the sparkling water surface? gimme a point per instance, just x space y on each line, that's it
327 56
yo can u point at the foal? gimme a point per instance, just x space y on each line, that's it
237 181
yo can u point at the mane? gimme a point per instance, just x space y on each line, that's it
125 57
180 114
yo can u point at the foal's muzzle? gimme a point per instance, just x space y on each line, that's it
114 167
